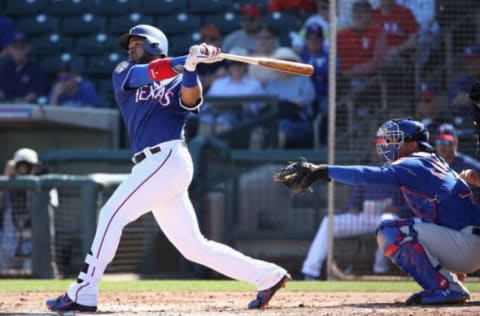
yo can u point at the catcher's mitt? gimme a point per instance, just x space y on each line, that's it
299 175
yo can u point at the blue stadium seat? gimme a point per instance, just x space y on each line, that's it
103 66
180 44
121 24
209 6
178 24
49 44
83 24
96 44
115 7
282 22
52 63
70 7
226 22
161 7
15 8
38 25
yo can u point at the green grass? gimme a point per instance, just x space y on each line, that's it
16 285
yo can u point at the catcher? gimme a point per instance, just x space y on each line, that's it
443 241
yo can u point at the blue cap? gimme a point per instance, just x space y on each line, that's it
314 29
447 132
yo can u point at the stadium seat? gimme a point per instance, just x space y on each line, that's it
83 24
38 25
15 8
180 44
96 44
161 7
71 7
49 44
115 7
121 24
209 6
178 24
103 66
282 22
52 63
226 22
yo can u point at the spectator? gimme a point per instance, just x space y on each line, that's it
70 89
301 9
15 207
361 48
430 107
446 145
211 35
21 79
7 34
458 89
315 55
267 42
251 18
307 6
368 206
361 52
296 95
321 18
217 118
399 23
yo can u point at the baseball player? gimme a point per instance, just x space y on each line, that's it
155 94
444 239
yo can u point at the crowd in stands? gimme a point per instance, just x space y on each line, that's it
388 51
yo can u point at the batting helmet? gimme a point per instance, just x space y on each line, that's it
393 133
155 42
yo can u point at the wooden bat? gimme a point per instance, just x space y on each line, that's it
272 63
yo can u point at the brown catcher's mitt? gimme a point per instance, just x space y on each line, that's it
299 175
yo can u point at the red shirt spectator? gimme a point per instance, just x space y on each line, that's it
362 46
397 21
285 5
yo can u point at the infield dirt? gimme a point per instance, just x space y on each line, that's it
285 303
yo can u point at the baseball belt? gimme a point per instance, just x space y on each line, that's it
138 157
476 231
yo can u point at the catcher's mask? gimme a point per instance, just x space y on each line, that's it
392 134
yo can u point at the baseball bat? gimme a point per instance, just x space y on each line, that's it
272 63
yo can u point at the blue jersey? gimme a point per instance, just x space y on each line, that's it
152 112
430 187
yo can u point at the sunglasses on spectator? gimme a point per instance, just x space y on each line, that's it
443 142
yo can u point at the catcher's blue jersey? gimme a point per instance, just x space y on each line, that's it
431 188
152 111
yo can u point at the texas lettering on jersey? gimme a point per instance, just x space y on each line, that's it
155 91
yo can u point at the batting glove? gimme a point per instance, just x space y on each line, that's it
202 53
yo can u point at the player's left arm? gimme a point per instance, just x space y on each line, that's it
191 91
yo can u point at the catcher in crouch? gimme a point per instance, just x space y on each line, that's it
439 246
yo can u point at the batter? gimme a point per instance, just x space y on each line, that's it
154 101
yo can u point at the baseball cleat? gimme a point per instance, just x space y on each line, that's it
437 296
263 297
64 304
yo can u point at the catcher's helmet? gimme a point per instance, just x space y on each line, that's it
393 133
155 42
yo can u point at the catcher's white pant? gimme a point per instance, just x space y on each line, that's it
159 184
344 225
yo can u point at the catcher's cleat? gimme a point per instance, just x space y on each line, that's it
64 304
263 297
437 296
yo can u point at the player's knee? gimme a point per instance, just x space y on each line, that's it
392 233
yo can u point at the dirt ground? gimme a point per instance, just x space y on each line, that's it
215 303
